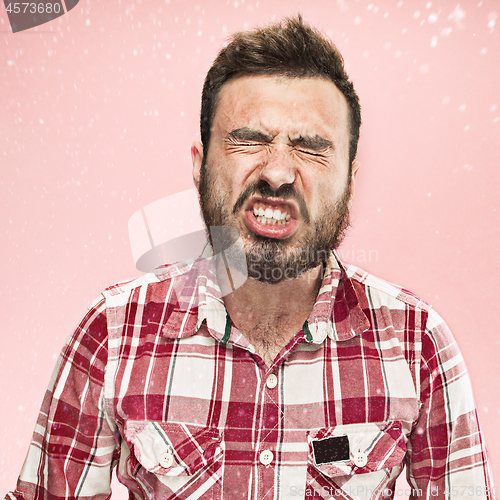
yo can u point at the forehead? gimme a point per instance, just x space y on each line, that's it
282 105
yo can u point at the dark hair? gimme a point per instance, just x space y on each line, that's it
289 48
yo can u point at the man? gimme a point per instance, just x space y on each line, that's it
310 379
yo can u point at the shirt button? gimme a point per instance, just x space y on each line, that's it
360 459
266 457
272 381
166 459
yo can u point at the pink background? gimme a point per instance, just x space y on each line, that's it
98 111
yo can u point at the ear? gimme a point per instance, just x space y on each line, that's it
197 159
355 168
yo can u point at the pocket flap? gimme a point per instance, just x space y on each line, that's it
372 447
172 448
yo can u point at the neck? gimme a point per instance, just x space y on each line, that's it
269 315
264 298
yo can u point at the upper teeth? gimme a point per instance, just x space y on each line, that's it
270 213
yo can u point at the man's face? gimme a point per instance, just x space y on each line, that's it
277 170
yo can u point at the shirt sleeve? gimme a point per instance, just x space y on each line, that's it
446 454
74 446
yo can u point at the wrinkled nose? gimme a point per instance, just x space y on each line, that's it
278 169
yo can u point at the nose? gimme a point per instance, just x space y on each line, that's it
278 169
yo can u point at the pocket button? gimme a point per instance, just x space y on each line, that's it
166 460
360 459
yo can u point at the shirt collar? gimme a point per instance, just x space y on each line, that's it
337 312
196 298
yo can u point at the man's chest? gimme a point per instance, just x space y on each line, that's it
333 383
211 407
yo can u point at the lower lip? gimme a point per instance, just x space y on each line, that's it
278 231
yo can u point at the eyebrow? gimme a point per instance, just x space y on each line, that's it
315 143
248 134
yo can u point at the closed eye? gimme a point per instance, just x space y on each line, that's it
312 145
232 143
311 153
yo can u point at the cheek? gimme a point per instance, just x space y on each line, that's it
227 187
237 174
328 193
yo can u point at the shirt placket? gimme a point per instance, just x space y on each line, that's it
270 433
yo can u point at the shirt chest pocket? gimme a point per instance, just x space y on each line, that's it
171 458
356 460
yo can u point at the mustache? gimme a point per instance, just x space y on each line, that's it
263 189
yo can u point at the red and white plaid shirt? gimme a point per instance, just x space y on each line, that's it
157 380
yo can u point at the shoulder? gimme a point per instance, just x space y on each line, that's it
383 290
381 293
160 278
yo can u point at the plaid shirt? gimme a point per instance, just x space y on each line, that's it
158 381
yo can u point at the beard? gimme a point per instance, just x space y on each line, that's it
271 260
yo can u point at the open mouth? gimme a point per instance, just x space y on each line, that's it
266 214
270 218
